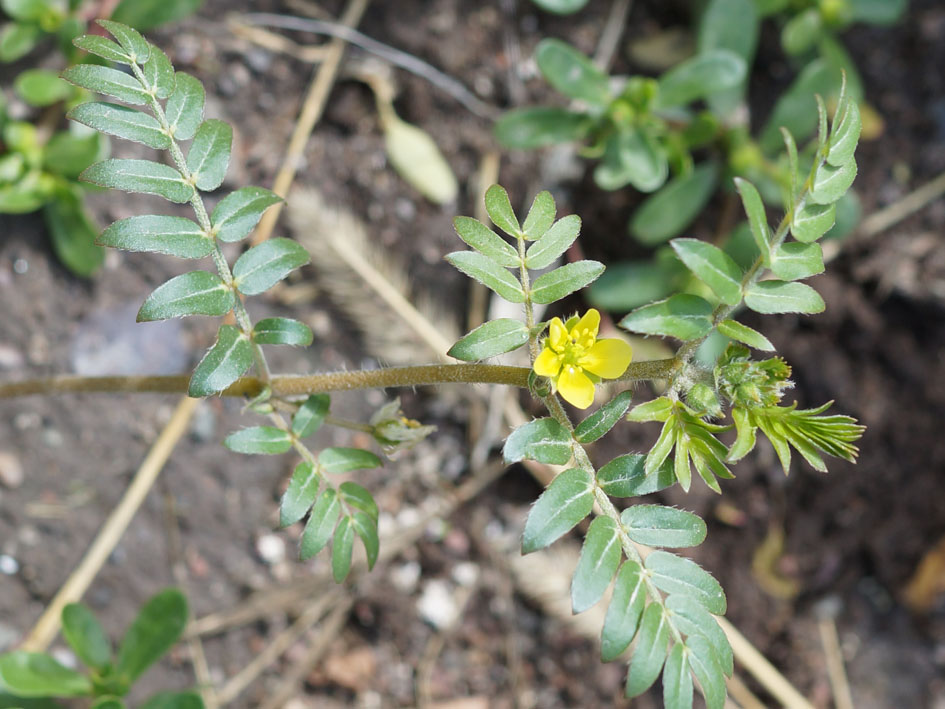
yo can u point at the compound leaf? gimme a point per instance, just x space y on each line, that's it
144 176
122 122
359 498
625 476
163 234
677 680
540 216
500 211
108 81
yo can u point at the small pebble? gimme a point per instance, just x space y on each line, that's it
270 548
10 357
405 576
466 573
21 266
65 657
203 426
8 565
11 470
437 606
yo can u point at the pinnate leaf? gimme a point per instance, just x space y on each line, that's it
184 109
693 619
490 339
704 663
553 242
366 529
781 297
597 565
122 122
321 524
143 176
624 611
675 574
659 526
259 440
102 47
209 154
544 440
223 364
650 651
238 213
713 267
260 268
489 273
555 285
486 241
685 316
567 500
193 293
300 495
601 421
282 331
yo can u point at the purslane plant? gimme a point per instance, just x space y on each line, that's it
663 600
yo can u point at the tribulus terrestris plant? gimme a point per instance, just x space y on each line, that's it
661 599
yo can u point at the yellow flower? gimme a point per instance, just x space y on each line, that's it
575 360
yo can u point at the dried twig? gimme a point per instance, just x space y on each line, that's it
613 30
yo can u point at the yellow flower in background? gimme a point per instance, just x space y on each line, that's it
575 360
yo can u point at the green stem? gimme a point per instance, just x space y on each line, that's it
529 308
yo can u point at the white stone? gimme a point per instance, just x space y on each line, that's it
437 606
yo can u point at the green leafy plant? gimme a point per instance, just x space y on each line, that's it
663 600
39 162
681 136
110 674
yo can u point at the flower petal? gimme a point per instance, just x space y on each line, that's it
557 335
607 358
575 387
547 364
585 332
